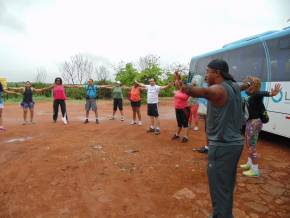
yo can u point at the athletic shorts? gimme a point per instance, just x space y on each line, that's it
118 103
136 103
1 105
26 105
91 104
152 110
182 116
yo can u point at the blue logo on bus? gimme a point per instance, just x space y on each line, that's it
278 97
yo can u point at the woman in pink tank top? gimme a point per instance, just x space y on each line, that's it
59 98
182 113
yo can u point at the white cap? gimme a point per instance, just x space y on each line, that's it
118 82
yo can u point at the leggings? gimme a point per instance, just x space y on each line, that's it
253 128
56 104
193 113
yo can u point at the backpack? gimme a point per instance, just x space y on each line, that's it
264 115
90 89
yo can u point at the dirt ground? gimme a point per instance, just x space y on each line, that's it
117 170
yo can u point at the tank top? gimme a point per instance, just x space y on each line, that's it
27 95
135 94
224 123
59 93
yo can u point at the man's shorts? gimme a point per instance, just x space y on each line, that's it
152 110
1 105
91 104
26 105
135 103
118 103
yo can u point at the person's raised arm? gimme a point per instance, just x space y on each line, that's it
277 88
140 84
245 84
11 92
167 86
105 86
18 89
43 89
215 93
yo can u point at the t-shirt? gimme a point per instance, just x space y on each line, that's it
117 93
91 91
180 100
59 93
135 94
152 94
256 105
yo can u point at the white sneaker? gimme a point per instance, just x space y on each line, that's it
122 118
140 123
64 120
195 128
133 122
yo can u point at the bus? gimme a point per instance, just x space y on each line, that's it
266 56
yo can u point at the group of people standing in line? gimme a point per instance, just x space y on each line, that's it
224 136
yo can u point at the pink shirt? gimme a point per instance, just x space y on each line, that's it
180 100
59 93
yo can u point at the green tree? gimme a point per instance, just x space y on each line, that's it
127 75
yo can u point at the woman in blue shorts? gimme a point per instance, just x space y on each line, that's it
27 101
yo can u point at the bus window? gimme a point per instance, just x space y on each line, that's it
247 61
279 50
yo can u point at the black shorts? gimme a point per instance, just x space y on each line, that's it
136 103
182 116
152 110
118 103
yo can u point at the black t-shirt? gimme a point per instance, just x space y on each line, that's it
256 105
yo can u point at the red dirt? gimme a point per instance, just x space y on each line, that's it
117 170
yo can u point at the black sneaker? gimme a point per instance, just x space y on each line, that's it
157 131
184 140
150 130
97 121
175 137
86 121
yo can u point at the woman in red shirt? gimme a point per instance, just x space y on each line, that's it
135 98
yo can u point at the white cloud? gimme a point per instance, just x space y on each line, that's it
52 31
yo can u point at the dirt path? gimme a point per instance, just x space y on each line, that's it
117 170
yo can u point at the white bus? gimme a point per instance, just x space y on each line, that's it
266 56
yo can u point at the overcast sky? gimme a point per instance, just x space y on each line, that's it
44 33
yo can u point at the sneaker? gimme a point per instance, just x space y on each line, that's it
245 166
195 128
97 121
202 149
111 118
251 173
64 120
86 121
24 123
175 137
32 122
150 130
140 123
2 129
184 140
133 122
157 131
122 118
